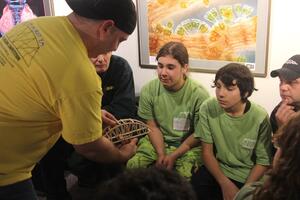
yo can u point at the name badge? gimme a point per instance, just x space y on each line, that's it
181 124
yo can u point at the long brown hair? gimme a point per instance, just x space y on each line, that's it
175 49
284 180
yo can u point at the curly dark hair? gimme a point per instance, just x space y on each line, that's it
175 49
284 181
147 184
240 73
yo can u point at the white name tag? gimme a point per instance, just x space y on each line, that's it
181 124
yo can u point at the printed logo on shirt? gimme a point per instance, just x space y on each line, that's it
108 88
20 45
248 143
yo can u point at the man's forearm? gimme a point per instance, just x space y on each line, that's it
256 173
101 150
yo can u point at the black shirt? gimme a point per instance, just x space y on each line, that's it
118 89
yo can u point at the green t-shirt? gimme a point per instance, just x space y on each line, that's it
175 112
239 142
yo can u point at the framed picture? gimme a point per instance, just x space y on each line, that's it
215 32
13 12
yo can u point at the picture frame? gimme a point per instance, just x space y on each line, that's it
215 32
13 12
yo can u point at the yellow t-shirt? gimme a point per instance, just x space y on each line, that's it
48 87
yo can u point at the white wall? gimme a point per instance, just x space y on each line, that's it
284 41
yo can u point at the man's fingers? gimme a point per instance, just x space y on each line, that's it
111 117
284 113
134 141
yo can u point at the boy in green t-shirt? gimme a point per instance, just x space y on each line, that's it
235 135
282 180
170 106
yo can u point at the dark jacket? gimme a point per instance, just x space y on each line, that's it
118 89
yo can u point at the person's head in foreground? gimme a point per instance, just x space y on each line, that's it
289 76
234 84
284 180
147 184
172 65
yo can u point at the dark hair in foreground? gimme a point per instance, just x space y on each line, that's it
147 184
284 181
240 73
175 49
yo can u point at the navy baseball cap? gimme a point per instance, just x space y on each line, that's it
290 69
122 12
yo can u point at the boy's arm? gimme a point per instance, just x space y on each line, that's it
187 144
157 140
229 189
256 173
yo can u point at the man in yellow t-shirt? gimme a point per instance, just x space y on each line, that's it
49 87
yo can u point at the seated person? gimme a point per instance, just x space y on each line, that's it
282 181
289 88
170 106
118 101
150 183
235 134
117 85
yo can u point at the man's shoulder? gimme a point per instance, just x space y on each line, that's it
48 20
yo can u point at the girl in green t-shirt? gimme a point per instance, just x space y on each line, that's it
170 106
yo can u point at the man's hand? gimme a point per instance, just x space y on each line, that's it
108 119
284 113
129 149
103 150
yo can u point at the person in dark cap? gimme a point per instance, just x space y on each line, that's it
289 88
50 88
121 12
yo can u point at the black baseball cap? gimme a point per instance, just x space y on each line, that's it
290 69
122 12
